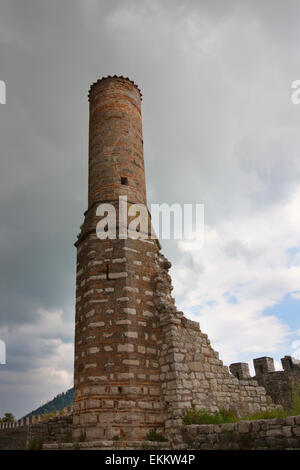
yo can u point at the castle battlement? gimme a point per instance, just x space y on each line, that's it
36 419
282 385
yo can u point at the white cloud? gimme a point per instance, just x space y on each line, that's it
244 267
39 362
296 349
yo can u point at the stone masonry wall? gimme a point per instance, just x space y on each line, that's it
282 386
191 372
18 434
58 429
14 438
253 435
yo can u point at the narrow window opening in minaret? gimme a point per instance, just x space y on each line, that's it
124 180
120 389
238 375
107 272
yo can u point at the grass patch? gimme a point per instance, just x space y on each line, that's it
48 416
269 414
154 436
68 438
35 444
279 413
147 447
193 416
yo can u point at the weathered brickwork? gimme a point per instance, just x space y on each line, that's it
282 386
280 433
138 361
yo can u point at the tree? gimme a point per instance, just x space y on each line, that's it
8 418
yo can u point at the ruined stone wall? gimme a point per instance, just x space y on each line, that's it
282 386
280 433
191 373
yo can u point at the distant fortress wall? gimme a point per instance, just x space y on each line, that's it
40 428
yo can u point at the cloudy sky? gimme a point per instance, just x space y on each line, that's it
219 129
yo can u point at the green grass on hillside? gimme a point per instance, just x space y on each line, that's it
62 400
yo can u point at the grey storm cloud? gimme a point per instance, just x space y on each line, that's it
215 76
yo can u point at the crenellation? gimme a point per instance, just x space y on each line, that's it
283 387
289 363
263 365
240 370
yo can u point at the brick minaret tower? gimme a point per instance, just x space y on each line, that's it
138 360
116 369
